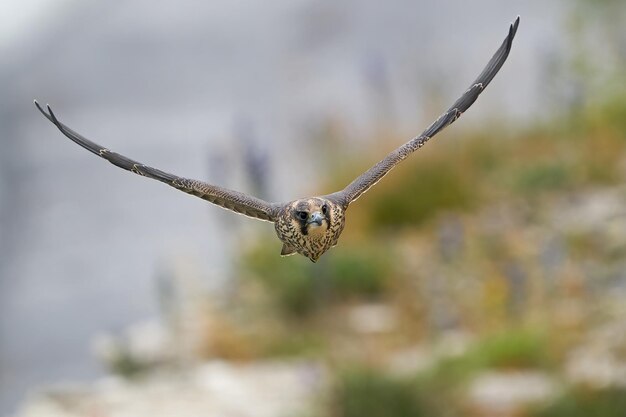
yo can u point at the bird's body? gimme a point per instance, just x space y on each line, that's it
308 226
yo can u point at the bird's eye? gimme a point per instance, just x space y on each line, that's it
324 209
302 215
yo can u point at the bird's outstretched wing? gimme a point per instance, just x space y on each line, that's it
228 199
375 173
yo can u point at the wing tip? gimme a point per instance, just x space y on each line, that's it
49 114
512 31
38 106
513 27
53 117
42 110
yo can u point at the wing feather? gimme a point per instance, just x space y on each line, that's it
232 200
370 177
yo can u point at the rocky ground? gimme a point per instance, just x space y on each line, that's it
264 389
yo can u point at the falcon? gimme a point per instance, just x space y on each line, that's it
308 226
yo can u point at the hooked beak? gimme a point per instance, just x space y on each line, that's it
315 218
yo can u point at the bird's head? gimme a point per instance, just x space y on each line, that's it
312 216
310 226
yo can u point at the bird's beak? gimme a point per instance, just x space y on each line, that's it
315 218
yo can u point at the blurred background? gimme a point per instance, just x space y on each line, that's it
484 277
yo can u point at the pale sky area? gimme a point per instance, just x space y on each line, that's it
17 17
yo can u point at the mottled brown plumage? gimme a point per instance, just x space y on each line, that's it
308 226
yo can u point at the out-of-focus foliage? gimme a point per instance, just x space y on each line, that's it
581 402
512 349
432 187
610 116
126 365
297 287
368 392
580 151
436 391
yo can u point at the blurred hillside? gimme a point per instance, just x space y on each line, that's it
483 277
504 301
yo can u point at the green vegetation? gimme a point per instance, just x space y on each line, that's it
430 188
581 402
123 363
475 172
299 288
295 343
514 349
506 351
547 176
369 392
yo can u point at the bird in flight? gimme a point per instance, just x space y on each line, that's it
308 226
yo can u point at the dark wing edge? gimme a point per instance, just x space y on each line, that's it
370 177
231 200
